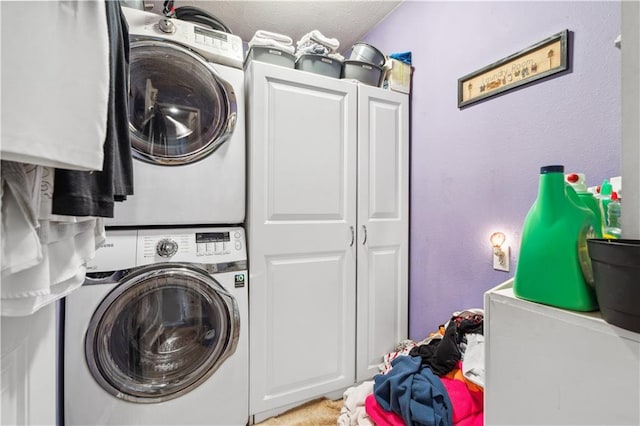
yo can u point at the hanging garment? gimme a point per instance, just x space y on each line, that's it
78 193
61 271
20 241
55 83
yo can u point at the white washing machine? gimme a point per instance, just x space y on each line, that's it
158 335
186 124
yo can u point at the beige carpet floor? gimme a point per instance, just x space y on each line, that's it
320 412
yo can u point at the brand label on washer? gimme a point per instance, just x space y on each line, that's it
239 280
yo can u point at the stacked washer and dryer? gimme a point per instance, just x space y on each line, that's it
158 334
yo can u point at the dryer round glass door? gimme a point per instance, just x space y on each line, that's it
180 110
161 332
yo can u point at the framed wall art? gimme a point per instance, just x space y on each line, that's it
541 60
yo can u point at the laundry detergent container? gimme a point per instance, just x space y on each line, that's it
616 275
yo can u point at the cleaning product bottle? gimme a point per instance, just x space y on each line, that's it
577 182
554 266
613 230
605 199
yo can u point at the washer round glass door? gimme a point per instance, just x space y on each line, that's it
180 110
161 332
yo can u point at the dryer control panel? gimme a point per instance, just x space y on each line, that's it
214 46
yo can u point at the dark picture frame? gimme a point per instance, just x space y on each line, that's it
540 60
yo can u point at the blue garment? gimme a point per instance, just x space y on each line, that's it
403 57
414 393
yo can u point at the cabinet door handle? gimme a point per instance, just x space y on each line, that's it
364 229
353 236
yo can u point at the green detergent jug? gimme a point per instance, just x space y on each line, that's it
553 265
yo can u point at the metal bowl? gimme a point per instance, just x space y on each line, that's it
367 53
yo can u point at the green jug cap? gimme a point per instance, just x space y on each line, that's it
551 169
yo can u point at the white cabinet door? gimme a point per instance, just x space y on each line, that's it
383 204
300 215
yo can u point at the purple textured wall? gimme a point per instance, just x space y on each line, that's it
475 171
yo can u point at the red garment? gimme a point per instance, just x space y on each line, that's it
466 398
379 416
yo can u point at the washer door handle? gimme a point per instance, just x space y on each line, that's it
353 236
364 230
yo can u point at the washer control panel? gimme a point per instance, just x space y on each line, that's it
201 245
125 249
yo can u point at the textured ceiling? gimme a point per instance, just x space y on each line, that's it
346 21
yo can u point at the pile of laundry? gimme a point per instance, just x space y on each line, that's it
437 381
314 42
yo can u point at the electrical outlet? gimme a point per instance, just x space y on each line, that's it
501 259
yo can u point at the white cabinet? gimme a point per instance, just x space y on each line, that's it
327 232
383 209
550 366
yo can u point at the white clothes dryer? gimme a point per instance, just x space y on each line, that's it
186 124
157 334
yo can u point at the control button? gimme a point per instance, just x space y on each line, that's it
235 46
237 234
225 246
218 247
200 248
238 245
216 43
210 248
166 247
199 38
208 41
166 26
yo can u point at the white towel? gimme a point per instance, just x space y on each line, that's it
353 411
280 38
267 42
316 36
